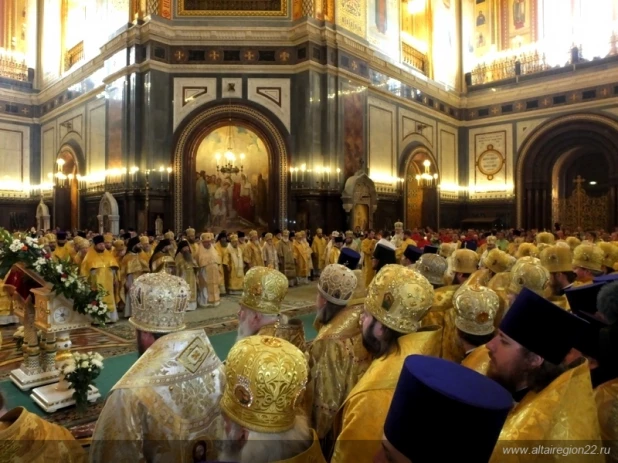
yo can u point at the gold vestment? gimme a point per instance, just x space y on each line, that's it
252 255
300 259
367 248
294 333
235 268
403 245
359 424
163 262
286 259
337 359
562 414
209 278
478 360
333 255
26 438
319 253
442 314
187 271
100 269
61 253
606 398
166 403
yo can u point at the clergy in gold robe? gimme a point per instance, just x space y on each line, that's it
161 261
558 262
397 300
269 428
606 399
209 277
193 241
332 255
350 242
168 401
81 246
235 266
337 357
146 250
61 252
367 247
318 247
100 267
186 268
269 252
221 246
119 251
131 268
285 252
252 254
301 258
25 437
403 244
554 396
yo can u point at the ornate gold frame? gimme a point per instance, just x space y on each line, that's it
282 12
490 174
225 112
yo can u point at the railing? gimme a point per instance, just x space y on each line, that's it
507 68
73 56
414 58
13 67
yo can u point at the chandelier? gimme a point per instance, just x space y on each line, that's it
426 178
229 166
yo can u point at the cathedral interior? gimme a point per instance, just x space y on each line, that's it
301 113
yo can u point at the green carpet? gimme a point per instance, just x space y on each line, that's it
115 367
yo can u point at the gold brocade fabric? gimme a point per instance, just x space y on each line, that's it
560 301
293 333
286 259
606 398
333 255
318 246
252 254
100 269
367 248
481 277
61 253
359 424
187 271
26 438
300 258
442 314
562 414
402 247
131 265
499 284
164 405
235 272
477 360
312 455
162 262
337 359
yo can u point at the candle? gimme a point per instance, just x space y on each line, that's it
338 172
169 171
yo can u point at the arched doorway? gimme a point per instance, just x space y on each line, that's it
555 166
66 191
420 189
109 216
209 193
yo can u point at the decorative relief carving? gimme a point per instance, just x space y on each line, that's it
189 93
273 94
352 15
232 8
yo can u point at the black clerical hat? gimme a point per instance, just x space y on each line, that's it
98 240
349 258
584 298
413 253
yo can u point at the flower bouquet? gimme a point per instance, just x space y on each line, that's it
63 275
80 371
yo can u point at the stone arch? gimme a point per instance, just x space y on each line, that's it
215 115
359 196
109 215
420 205
545 148
67 192
42 216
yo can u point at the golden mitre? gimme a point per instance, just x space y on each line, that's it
233 238
525 260
265 384
51 237
190 232
464 261
588 256
42 241
475 309
545 238
118 244
144 240
253 234
108 238
557 259
300 234
207 237
447 249
497 261
169 235
491 239
268 236
610 253
398 225
527 249
318 231
531 275
81 243
432 267
337 284
573 242
263 290
399 297
158 303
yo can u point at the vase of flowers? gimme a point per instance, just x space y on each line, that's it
78 373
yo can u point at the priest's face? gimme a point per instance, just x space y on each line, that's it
235 440
99 247
52 246
389 454
508 364
108 246
247 323
372 334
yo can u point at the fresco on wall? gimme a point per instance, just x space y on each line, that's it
383 26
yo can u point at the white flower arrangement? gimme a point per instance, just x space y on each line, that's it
80 371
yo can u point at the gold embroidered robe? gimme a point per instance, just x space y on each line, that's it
563 412
318 246
222 251
164 404
235 268
367 248
442 314
269 253
188 272
61 253
561 301
478 360
209 278
145 256
101 270
403 245
252 255
286 259
27 438
606 398
300 259
481 277
163 262
312 455
292 331
499 283
359 424
333 255
131 268
337 359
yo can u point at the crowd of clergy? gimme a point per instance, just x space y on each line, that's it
430 347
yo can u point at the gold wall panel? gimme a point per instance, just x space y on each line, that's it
247 8
352 15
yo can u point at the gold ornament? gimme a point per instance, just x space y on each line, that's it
545 238
496 260
529 275
263 290
432 267
527 249
207 237
588 256
557 259
190 232
610 254
447 249
337 284
573 242
158 303
464 261
475 309
399 298
265 383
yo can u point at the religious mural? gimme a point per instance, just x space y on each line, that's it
232 201
353 130
383 26
446 42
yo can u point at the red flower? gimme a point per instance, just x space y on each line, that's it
95 303
24 248
63 276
